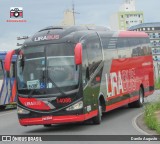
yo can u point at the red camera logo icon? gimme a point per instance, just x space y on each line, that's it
16 12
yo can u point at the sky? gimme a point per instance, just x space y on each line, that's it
43 13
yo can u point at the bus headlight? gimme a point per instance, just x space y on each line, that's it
76 106
22 111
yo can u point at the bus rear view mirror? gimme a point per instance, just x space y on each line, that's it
78 54
8 60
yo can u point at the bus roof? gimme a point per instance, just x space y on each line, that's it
59 34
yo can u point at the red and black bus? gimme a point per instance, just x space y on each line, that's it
72 74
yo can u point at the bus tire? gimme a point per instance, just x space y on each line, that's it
139 102
2 107
98 118
47 125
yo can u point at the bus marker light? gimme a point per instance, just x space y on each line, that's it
98 79
46 118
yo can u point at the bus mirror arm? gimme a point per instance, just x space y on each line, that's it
8 60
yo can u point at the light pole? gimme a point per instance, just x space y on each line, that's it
74 12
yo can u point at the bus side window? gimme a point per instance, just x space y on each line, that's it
105 41
146 46
135 44
109 47
123 48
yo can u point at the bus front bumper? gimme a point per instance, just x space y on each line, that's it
57 119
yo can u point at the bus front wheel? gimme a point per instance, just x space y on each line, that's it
98 118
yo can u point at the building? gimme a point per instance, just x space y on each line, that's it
128 5
68 18
126 17
153 30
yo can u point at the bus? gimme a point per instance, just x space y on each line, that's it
73 74
7 84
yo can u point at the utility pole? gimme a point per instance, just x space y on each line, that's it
74 12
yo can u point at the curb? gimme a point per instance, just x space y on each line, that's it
140 125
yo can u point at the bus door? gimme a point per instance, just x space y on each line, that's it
93 70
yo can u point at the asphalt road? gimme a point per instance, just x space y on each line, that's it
116 122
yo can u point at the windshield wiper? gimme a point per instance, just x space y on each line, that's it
31 92
59 89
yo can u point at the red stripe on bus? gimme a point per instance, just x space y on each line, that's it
113 97
34 103
57 119
121 103
132 34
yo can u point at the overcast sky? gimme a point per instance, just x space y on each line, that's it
43 13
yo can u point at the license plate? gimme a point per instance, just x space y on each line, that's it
47 118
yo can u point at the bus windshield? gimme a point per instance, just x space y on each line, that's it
44 68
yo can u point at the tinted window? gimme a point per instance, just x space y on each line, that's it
63 49
123 48
109 42
105 42
144 40
146 46
134 42
140 46
122 43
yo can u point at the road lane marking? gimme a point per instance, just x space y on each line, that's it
136 126
7 113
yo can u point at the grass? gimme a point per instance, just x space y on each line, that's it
150 117
157 83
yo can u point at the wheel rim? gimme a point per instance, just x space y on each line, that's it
100 111
141 97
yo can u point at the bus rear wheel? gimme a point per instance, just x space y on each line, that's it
140 101
98 118
2 107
